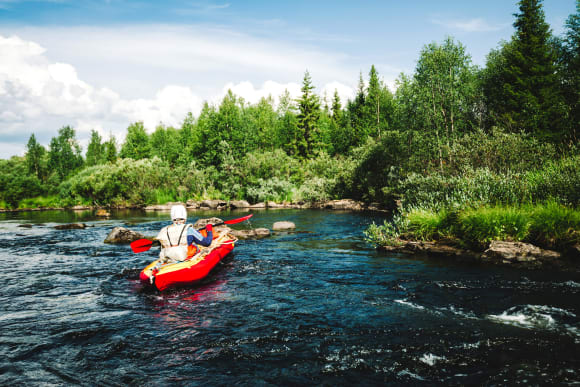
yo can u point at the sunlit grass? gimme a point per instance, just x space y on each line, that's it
549 225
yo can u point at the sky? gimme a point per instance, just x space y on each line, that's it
104 64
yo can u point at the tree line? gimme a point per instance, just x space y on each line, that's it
527 95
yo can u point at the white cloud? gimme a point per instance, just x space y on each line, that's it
471 25
40 95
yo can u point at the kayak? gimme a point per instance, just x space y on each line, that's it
167 275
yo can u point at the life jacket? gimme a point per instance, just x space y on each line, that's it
175 237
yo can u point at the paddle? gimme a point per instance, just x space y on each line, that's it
141 245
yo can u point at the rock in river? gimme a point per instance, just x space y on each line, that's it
123 235
255 233
284 225
71 226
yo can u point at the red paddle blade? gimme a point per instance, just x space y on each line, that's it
234 221
141 245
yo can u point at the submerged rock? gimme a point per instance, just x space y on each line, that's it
71 226
283 225
123 235
255 233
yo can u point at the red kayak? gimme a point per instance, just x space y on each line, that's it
189 271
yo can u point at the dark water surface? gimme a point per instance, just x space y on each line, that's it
315 307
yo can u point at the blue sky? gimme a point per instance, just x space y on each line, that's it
104 64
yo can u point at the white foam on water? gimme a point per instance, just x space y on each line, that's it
571 284
531 316
410 374
459 312
431 359
410 304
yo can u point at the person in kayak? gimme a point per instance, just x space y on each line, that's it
179 240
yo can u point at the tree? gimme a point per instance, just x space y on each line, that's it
35 158
136 145
165 144
378 109
95 154
308 115
571 72
356 113
526 91
286 125
64 156
445 88
110 150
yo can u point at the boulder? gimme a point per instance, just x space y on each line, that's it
192 204
71 226
256 233
258 206
80 208
284 225
201 223
342 204
518 252
274 205
239 204
162 207
213 204
102 213
123 235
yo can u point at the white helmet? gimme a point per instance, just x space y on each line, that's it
178 212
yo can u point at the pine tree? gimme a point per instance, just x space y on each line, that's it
571 73
309 113
531 99
356 111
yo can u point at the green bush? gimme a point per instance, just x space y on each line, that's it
478 227
554 226
272 189
500 152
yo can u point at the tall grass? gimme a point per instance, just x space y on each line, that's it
548 225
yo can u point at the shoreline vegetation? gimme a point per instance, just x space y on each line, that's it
464 156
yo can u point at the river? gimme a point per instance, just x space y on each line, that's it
318 306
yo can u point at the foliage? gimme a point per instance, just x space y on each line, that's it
64 156
549 225
523 85
136 145
308 132
95 151
36 158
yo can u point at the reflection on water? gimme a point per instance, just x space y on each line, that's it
314 306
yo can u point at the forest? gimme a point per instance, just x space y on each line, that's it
452 137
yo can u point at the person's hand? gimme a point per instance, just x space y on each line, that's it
209 228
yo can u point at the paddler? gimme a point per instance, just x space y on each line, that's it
179 240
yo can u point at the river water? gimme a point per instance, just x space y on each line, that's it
317 306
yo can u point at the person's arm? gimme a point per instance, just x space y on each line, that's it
195 236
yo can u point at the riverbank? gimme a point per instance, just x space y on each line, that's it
531 236
339 204
505 253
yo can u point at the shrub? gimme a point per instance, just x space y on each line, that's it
272 189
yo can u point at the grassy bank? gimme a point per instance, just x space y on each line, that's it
549 225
